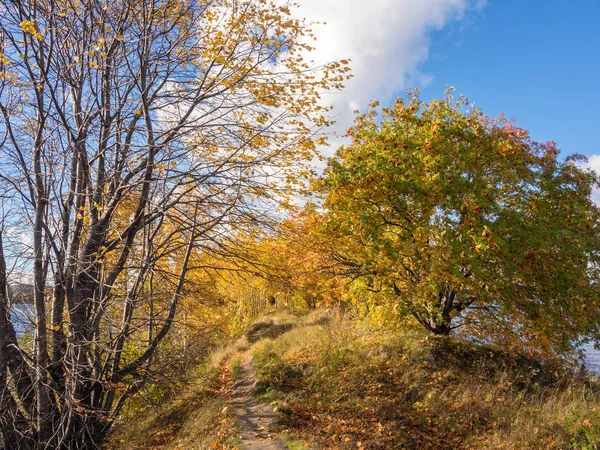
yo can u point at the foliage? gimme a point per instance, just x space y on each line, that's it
134 136
461 220
284 266
299 255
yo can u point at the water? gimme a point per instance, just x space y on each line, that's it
592 358
21 316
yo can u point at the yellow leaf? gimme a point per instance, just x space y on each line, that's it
119 37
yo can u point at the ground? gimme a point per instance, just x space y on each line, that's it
255 420
320 381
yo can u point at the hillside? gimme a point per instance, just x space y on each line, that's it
334 383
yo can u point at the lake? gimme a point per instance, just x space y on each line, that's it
21 316
592 360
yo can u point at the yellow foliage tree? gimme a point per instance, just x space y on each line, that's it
134 133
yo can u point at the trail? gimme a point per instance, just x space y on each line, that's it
255 420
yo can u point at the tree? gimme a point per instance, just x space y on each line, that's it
467 223
300 259
132 133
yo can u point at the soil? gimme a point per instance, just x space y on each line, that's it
255 420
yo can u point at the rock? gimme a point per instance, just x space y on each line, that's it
298 370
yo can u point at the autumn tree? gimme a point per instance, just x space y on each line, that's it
467 224
132 134
300 259
284 266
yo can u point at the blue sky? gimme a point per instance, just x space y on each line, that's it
534 60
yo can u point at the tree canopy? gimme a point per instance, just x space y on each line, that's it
466 223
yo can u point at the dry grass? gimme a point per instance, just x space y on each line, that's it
342 385
195 416
196 419
339 384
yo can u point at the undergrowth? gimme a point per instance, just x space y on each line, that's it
343 384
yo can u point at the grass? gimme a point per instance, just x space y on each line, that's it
226 352
235 368
196 419
290 443
196 416
341 384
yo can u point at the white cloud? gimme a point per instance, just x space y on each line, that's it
386 40
593 163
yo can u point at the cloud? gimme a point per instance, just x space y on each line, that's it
386 41
593 163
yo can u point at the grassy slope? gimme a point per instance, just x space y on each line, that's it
340 384
196 418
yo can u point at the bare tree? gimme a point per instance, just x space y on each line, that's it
133 133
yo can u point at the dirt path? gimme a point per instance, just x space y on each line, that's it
255 420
